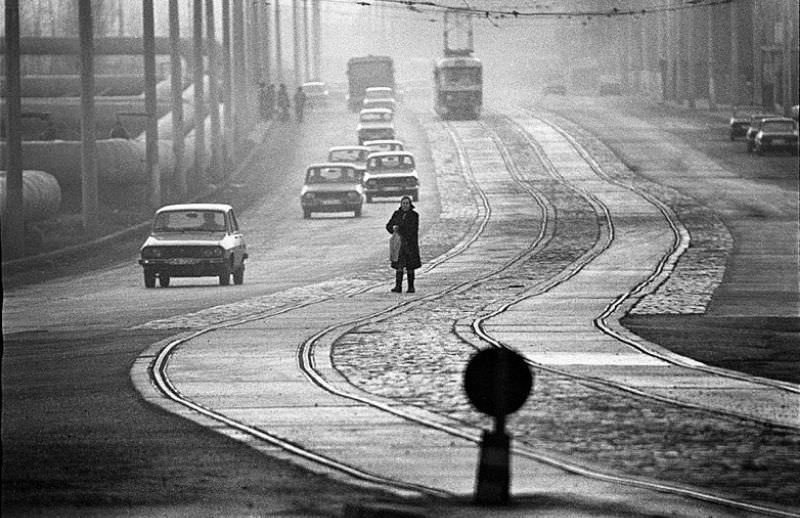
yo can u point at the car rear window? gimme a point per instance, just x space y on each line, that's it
391 162
347 155
319 175
781 126
376 117
190 220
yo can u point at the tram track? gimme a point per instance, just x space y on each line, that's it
321 344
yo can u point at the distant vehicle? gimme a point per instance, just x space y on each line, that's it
740 120
375 124
367 71
387 102
331 187
554 89
356 155
194 240
316 93
391 173
776 134
458 83
377 146
753 127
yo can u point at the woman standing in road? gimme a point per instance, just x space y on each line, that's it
405 221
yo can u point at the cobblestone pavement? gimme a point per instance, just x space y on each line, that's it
413 357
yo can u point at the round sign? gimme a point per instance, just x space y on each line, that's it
497 381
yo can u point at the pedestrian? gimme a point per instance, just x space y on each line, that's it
299 103
283 102
270 101
263 106
405 222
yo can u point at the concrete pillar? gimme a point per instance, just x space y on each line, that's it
90 206
13 221
176 91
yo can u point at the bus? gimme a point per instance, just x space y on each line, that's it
459 87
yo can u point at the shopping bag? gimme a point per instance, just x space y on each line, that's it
394 246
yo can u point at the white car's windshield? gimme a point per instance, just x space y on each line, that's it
320 175
347 155
391 163
190 221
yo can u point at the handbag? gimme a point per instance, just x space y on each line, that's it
394 246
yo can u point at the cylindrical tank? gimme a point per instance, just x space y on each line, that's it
41 195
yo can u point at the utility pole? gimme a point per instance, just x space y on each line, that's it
151 134
90 210
278 45
298 73
199 91
239 79
736 87
317 36
691 74
227 89
788 35
306 57
176 89
266 48
213 99
14 218
756 94
712 89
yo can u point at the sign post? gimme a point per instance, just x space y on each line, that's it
497 382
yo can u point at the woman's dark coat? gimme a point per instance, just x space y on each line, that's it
408 223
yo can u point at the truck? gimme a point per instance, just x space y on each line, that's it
367 71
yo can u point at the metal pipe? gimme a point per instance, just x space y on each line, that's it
199 91
227 87
213 99
88 149
176 90
13 218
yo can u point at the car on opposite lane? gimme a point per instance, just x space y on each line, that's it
194 240
391 173
753 127
331 187
316 93
776 134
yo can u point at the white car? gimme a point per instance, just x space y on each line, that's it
331 187
376 146
391 173
194 240
316 93
356 155
375 124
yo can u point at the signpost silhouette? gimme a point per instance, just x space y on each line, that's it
497 382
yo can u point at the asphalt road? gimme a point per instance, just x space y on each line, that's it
78 439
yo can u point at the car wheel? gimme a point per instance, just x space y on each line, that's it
238 275
225 276
163 280
357 212
149 279
369 199
749 147
732 138
306 213
759 151
415 196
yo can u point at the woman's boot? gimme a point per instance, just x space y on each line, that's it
398 282
410 281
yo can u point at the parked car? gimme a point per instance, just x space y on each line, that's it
754 127
388 103
356 155
391 173
375 124
740 120
194 240
776 134
376 146
316 93
331 187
